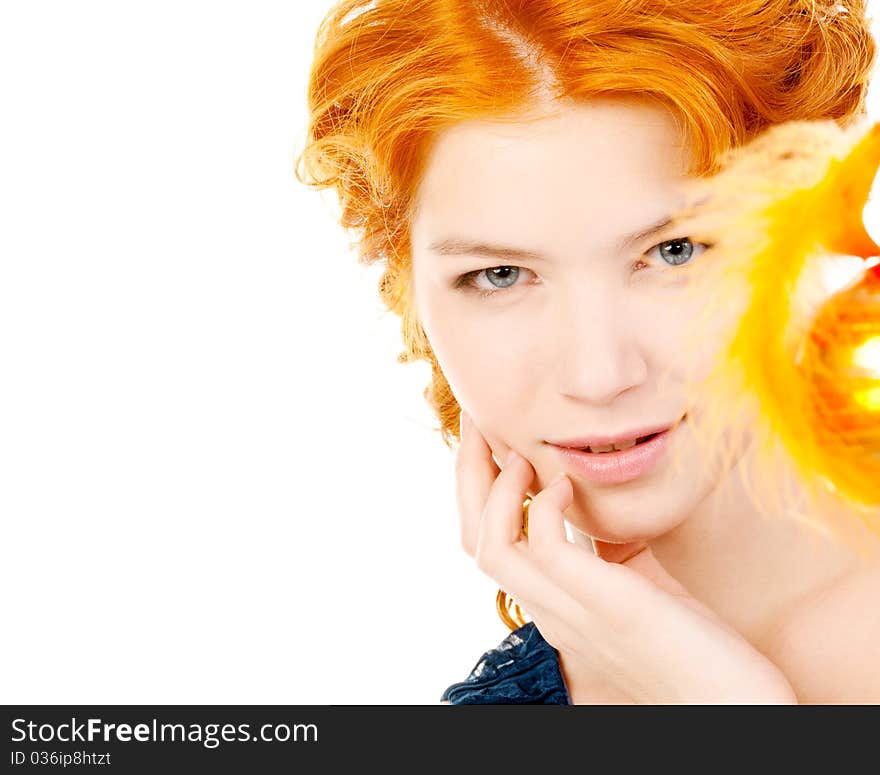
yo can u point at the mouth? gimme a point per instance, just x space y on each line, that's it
622 462
610 449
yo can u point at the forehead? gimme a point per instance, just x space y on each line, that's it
603 163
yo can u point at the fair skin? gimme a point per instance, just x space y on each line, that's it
734 607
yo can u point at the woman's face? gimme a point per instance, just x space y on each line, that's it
582 335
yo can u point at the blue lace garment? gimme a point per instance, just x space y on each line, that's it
522 669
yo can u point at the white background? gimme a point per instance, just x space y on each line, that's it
217 485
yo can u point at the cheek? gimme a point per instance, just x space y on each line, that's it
490 368
489 374
682 340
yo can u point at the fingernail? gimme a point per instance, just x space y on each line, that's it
512 457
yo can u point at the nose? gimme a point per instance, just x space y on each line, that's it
599 356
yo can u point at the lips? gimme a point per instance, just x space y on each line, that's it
644 433
619 466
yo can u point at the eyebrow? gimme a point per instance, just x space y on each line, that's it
458 246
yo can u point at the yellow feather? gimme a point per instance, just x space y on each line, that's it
776 338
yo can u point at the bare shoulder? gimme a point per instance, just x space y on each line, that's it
829 647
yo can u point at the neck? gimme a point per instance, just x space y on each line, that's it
752 569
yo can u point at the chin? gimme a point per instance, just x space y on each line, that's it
621 519
616 535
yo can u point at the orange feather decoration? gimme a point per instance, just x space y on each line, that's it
795 366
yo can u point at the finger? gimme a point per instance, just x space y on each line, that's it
475 471
553 579
502 518
551 606
639 556
570 565
558 615
546 527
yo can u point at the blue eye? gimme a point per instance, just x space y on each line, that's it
500 277
674 252
677 251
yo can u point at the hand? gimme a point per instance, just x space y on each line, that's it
616 617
